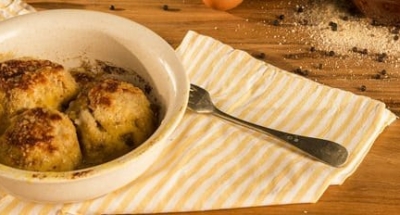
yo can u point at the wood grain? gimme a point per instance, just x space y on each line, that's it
375 187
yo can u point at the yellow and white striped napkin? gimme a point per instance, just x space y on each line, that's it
11 8
212 164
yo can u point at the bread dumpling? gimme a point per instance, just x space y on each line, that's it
30 83
40 139
112 117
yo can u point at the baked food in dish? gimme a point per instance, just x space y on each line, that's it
30 83
111 117
99 115
40 139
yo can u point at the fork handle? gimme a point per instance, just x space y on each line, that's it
326 151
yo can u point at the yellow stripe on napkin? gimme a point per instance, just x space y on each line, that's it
213 164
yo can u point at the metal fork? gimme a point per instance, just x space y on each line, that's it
323 150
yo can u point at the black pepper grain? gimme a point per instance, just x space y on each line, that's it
377 76
300 9
363 88
301 72
382 57
312 49
112 7
281 17
383 74
168 8
364 51
276 22
331 53
334 26
258 55
396 37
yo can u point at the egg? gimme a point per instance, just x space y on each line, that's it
222 4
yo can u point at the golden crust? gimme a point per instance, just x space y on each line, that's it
34 83
40 139
21 73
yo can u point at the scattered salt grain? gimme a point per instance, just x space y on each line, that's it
330 31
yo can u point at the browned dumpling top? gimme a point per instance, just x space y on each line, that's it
28 83
40 139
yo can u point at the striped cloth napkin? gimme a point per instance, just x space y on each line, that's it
213 164
11 8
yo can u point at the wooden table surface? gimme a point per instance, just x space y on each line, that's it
281 34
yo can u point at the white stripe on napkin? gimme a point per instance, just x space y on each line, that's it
212 164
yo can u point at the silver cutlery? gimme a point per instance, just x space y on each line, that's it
323 150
